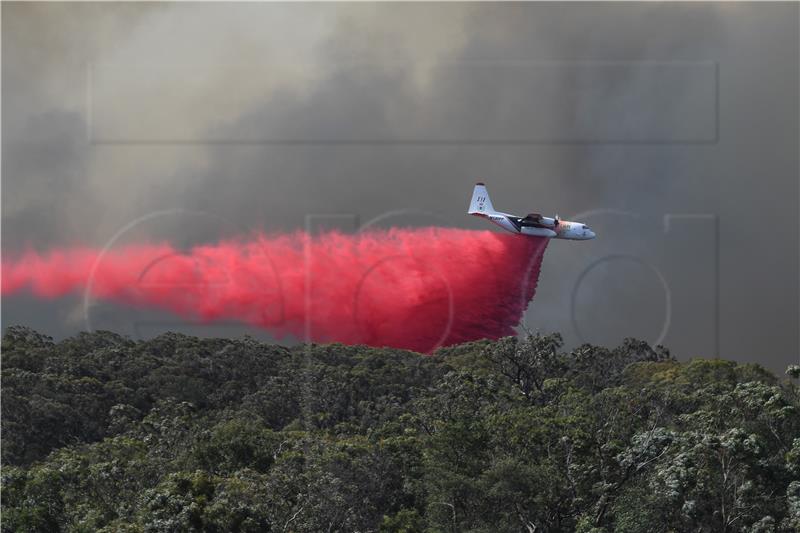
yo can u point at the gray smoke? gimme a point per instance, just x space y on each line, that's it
191 122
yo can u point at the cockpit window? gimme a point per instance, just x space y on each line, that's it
585 226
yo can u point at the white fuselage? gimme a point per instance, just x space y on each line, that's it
563 229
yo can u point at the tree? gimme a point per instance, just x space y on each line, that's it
102 433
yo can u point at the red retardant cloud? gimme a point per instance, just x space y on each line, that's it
404 288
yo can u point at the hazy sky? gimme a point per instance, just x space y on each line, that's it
670 128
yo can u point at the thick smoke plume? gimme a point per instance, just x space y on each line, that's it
405 288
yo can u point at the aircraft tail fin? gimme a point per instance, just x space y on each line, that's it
481 203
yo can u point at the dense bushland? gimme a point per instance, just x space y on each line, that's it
102 433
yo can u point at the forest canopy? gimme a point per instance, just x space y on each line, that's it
177 433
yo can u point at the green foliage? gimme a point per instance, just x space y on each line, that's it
101 433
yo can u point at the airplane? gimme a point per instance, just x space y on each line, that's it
533 224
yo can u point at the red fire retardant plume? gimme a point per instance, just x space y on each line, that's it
405 288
